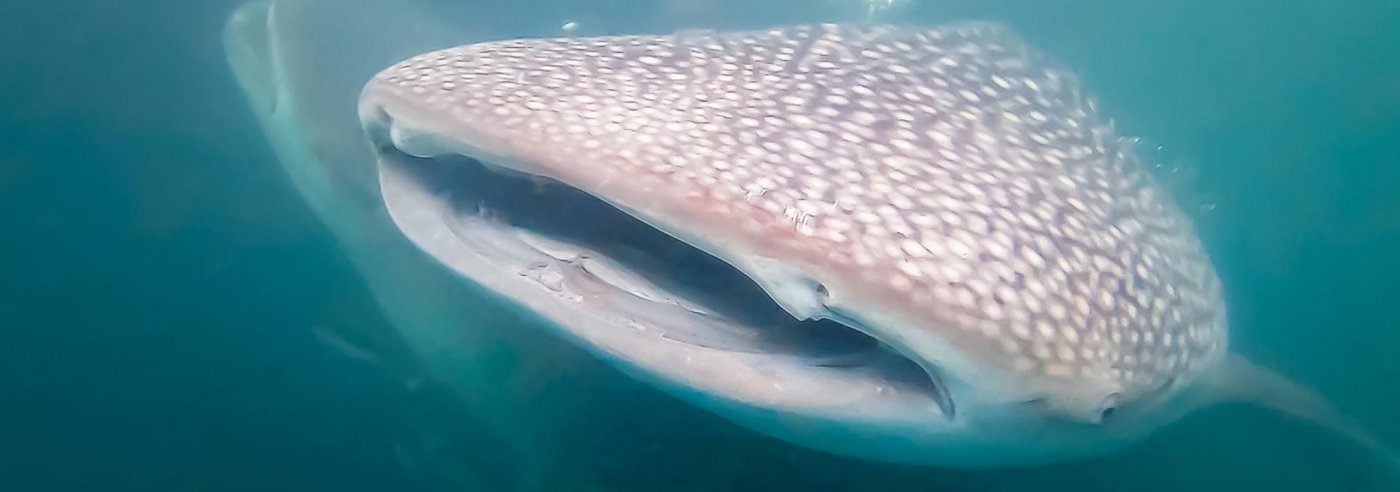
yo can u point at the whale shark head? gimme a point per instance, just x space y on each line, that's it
911 242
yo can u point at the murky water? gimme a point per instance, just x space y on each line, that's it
175 317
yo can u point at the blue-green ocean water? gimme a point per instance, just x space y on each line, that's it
161 282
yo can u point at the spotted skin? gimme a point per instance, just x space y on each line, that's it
948 175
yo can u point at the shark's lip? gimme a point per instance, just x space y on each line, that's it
646 329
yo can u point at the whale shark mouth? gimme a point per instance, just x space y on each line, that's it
637 295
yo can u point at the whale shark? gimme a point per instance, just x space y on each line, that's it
909 244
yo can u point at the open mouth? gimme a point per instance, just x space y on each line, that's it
635 293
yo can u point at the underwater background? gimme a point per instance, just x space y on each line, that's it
165 294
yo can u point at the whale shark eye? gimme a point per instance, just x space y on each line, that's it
1108 407
1106 412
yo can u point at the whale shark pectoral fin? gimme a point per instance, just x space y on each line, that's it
1240 380
250 44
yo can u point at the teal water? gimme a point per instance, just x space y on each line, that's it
161 283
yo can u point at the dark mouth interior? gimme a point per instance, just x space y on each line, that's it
560 212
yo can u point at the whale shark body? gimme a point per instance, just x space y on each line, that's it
905 244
